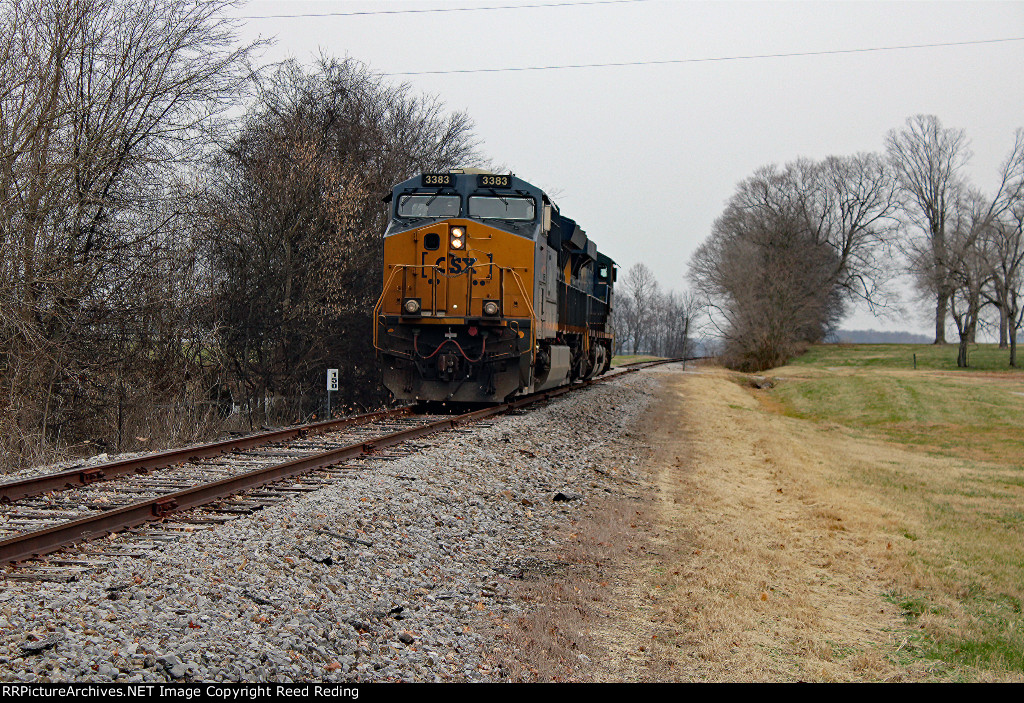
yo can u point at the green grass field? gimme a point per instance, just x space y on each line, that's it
980 357
962 503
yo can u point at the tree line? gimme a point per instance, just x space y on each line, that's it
647 319
183 233
797 245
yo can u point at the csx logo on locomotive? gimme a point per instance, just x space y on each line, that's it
489 291
456 264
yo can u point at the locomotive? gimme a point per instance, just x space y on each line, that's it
488 291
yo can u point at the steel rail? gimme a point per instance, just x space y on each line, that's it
659 362
39 543
11 491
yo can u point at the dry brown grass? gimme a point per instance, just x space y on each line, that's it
767 548
566 594
766 572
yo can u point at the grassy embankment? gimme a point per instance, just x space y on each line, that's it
960 507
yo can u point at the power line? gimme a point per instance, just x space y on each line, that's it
704 60
441 9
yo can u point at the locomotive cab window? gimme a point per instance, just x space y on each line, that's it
429 205
486 207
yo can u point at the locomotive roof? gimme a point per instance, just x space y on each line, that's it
469 181
466 181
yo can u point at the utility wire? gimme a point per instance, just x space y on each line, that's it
441 9
704 60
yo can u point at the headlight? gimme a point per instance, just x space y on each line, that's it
490 308
411 306
458 237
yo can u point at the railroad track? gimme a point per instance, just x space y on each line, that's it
45 514
12 491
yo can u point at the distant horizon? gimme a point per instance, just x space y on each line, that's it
890 337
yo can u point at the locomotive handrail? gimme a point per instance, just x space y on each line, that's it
376 308
533 316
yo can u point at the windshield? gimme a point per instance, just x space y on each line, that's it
501 208
429 205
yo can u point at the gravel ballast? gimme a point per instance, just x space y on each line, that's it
388 574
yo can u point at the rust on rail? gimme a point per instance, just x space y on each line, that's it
12 491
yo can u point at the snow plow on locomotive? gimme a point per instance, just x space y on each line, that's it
489 291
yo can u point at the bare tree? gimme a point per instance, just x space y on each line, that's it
668 323
855 203
678 317
295 221
972 267
927 160
967 265
640 288
691 311
768 285
792 247
847 204
996 232
105 106
1009 245
622 314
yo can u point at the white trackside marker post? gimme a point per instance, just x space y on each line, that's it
332 385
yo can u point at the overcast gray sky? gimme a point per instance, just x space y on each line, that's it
644 157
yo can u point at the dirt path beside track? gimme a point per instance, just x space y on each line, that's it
740 560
